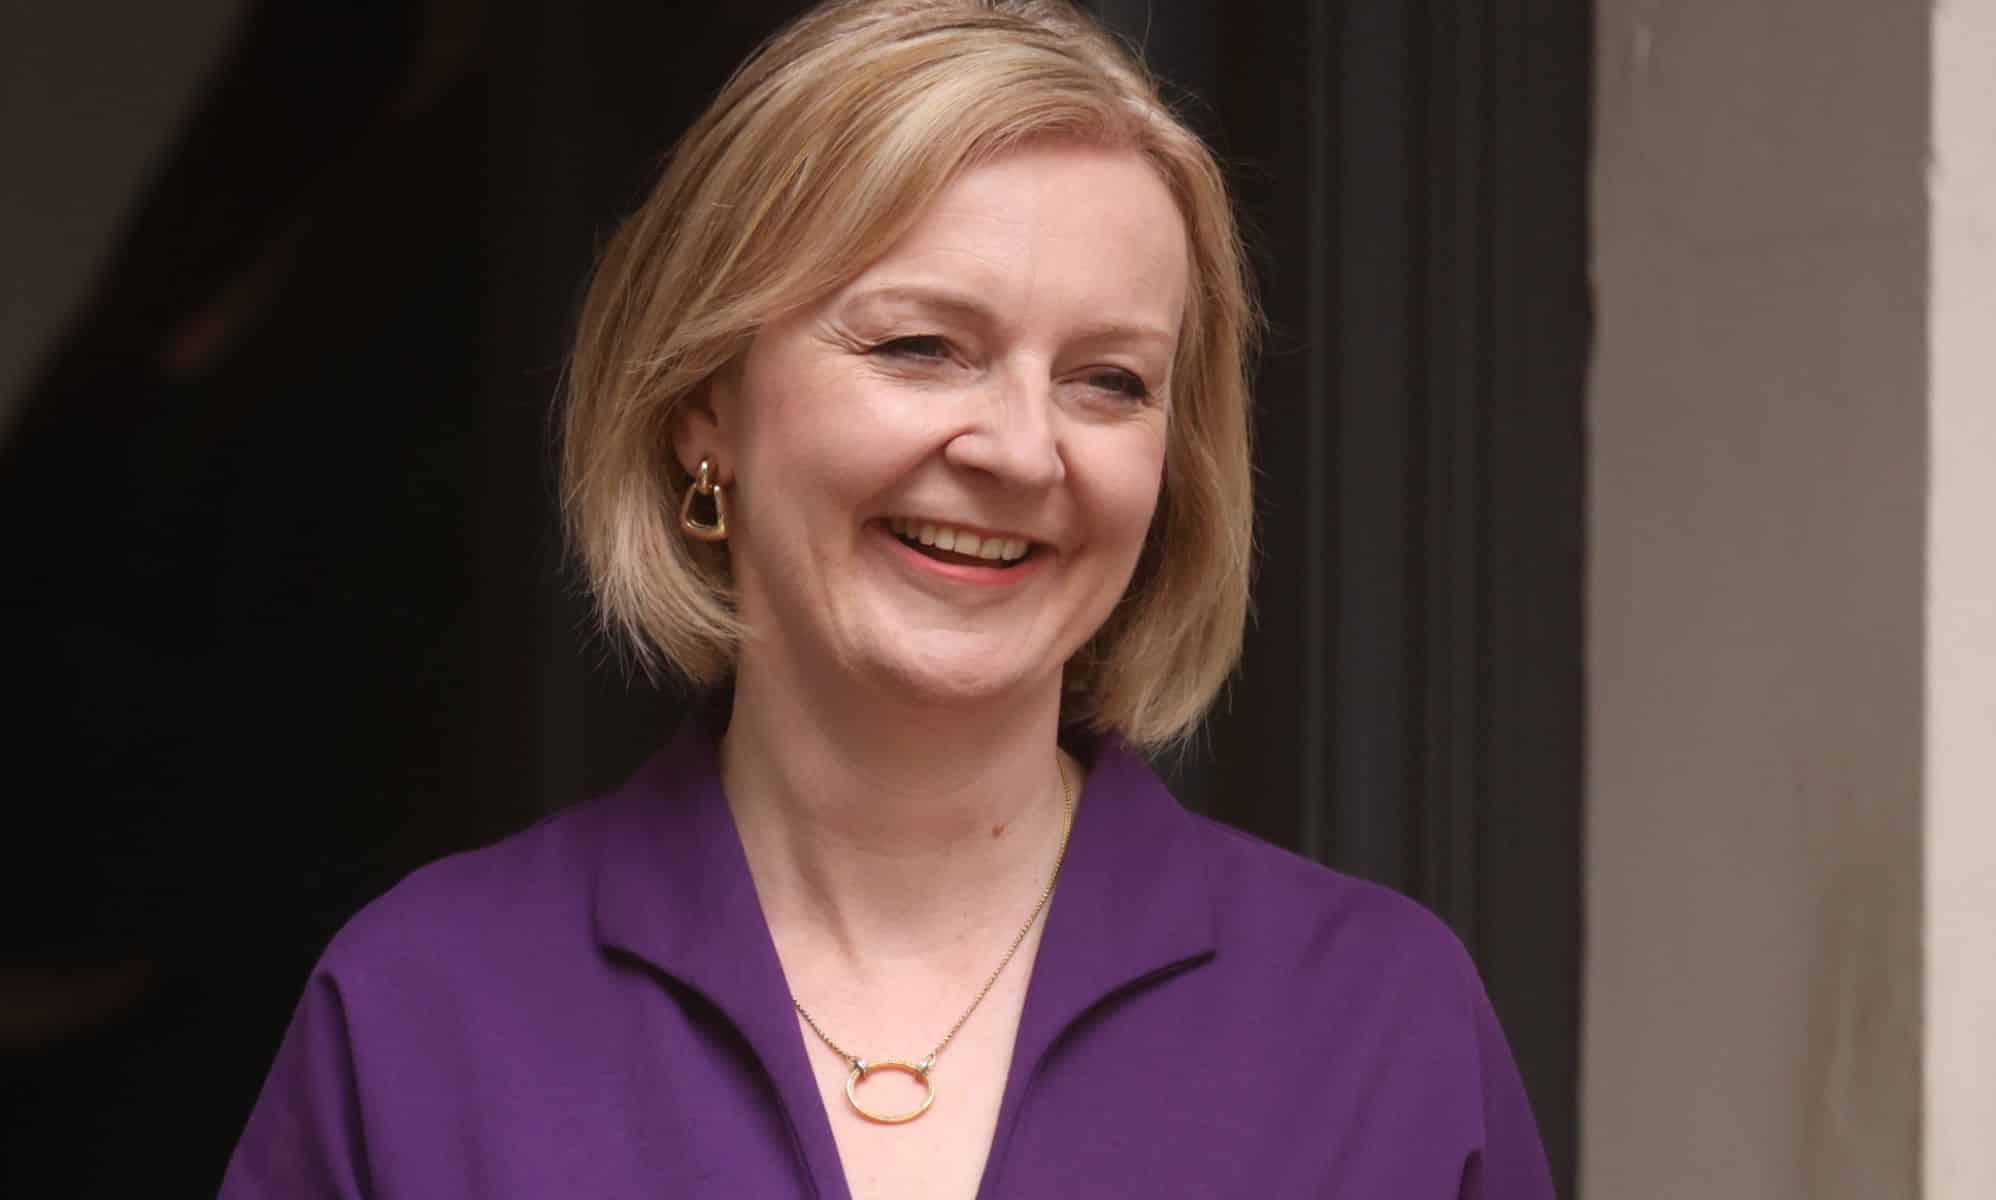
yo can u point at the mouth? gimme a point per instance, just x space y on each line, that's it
961 547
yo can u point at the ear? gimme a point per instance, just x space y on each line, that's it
698 430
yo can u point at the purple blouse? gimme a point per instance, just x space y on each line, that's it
594 1008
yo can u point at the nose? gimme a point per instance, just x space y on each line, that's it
1012 433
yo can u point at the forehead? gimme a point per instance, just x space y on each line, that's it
1054 232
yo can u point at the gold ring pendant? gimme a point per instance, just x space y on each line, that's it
861 1068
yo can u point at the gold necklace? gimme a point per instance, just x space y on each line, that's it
919 1071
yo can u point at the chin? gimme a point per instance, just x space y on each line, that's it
959 680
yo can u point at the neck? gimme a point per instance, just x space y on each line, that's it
899 828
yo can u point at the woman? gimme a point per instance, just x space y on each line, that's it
908 414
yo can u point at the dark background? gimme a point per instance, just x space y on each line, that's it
286 612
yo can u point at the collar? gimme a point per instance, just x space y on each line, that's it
672 889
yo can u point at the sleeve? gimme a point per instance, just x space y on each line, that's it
1511 1163
304 1138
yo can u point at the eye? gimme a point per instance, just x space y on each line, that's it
1121 383
919 346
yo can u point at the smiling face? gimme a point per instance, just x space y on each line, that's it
941 477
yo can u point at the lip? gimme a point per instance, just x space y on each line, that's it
983 577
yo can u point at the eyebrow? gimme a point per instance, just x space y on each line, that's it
967 306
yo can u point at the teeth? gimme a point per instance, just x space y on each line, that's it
944 537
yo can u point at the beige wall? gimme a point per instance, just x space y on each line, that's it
1961 613
1791 957
1757 600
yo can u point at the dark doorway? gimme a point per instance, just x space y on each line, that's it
333 636
1410 706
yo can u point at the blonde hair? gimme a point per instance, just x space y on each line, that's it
825 147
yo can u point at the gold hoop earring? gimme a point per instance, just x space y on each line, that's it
703 485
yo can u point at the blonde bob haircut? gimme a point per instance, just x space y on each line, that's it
820 153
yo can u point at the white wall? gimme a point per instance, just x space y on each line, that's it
1961 612
1757 600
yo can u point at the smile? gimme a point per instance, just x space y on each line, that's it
964 547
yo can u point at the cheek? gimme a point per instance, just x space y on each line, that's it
814 398
1130 482
809 433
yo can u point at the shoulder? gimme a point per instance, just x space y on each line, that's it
1341 941
442 1007
1370 995
472 913
1354 972
1260 885
1277 919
